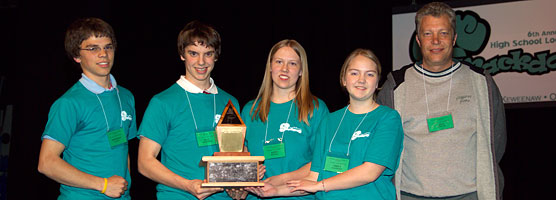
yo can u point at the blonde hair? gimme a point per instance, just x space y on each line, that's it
304 99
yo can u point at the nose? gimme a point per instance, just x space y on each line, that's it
435 39
284 68
103 53
201 60
361 78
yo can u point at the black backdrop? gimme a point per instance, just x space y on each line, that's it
37 71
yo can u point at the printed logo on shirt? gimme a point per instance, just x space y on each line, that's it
357 134
286 127
464 99
125 116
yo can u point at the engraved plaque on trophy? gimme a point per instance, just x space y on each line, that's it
231 167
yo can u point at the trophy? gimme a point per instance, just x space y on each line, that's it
231 167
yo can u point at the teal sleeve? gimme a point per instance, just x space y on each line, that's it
245 113
386 143
132 133
319 151
246 117
155 122
236 104
62 121
321 113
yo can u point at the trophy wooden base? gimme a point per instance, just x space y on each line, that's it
232 171
232 154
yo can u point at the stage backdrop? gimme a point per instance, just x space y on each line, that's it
515 41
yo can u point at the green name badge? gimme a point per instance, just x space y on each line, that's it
206 138
274 151
440 123
336 164
116 137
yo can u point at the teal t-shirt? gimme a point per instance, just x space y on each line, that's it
77 121
298 137
377 140
169 122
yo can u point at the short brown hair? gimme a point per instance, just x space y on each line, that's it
83 29
435 9
197 32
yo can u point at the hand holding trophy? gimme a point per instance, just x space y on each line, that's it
231 167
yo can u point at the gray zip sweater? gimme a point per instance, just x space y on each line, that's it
490 135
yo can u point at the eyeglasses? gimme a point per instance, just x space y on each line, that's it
97 49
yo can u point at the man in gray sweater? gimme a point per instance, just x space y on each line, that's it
453 118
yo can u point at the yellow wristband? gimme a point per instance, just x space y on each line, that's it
105 184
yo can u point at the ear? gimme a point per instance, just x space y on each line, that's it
77 59
455 37
182 58
417 39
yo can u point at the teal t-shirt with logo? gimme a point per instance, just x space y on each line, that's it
298 138
378 140
78 122
169 122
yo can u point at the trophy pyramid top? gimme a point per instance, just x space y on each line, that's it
230 116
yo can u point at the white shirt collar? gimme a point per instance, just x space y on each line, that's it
419 68
190 87
94 87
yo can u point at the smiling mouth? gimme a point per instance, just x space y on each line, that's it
436 50
103 63
283 77
360 87
201 70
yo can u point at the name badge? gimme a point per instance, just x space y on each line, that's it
274 151
206 138
336 163
440 123
116 137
